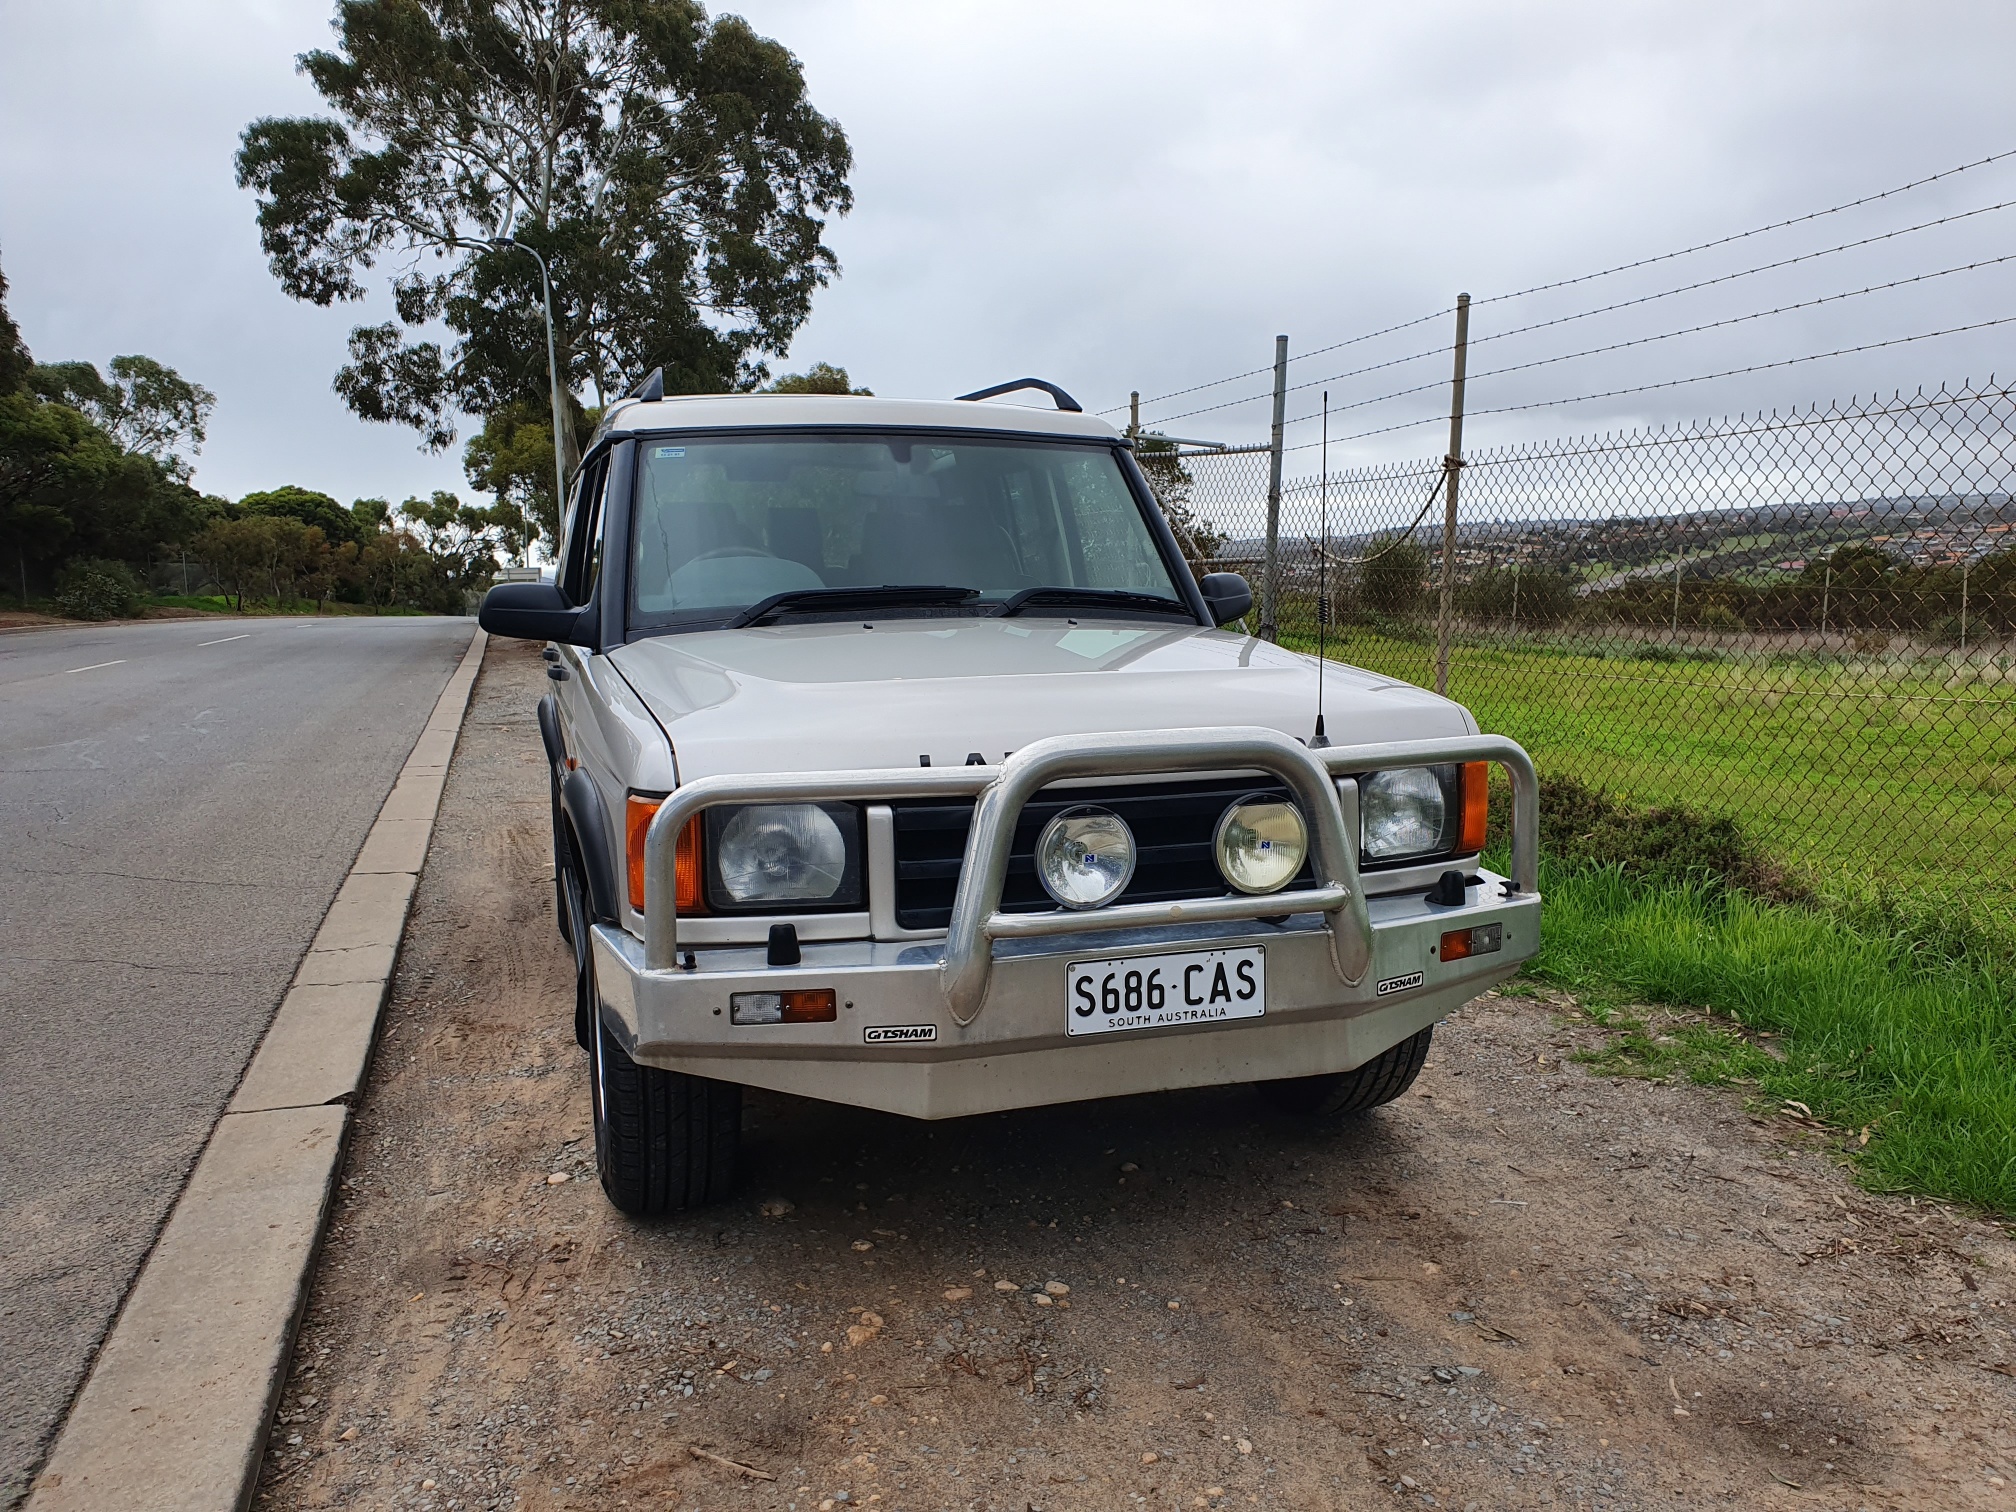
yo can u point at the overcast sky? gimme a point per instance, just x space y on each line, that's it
1124 196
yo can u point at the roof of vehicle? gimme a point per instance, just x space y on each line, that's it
730 411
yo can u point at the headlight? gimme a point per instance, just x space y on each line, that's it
1260 844
771 853
1085 857
1405 812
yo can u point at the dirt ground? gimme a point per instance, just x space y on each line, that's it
1523 1285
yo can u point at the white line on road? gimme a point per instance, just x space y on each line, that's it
95 666
226 641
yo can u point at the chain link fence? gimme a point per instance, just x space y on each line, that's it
1804 621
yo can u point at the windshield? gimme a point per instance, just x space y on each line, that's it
725 524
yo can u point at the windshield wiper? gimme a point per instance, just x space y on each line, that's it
1113 598
888 595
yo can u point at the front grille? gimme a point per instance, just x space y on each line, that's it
1172 823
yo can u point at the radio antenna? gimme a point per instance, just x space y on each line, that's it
1322 573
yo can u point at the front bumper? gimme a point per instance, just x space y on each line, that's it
984 1010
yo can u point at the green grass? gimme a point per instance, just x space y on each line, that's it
1873 1031
1867 772
218 604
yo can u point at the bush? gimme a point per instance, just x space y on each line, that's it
97 589
1720 617
1668 844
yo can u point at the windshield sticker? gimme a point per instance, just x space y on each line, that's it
664 453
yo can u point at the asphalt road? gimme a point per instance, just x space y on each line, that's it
179 801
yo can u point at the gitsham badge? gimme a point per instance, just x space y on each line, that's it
899 1034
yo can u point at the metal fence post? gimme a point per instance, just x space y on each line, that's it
1134 416
1451 466
1965 563
1674 633
1270 588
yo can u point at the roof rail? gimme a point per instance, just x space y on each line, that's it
650 386
1064 400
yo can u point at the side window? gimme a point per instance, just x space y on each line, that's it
583 562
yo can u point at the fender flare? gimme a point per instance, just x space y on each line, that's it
588 819
549 733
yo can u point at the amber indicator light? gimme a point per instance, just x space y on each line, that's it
1460 944
803 1005
637 817
1476 806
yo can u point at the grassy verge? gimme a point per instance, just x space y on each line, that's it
1871 1028
218 604
1847 767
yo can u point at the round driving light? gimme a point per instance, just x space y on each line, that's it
1085 857
781 852
1260 844
1404 812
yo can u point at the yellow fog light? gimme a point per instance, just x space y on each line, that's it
1260 844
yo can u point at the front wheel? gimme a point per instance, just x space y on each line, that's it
1339 1094
663 1141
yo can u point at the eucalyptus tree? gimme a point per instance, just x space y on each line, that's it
667 166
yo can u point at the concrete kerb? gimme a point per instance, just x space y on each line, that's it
175 1413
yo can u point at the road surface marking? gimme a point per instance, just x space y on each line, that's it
95 666
224 642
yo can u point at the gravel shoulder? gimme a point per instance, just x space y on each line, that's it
1523 1285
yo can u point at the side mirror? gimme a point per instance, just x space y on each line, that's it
535 611
1225 595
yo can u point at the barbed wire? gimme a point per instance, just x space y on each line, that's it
1643 262
1636 341
1646 388
1705 283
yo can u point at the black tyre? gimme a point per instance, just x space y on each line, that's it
663 1141
1342 1093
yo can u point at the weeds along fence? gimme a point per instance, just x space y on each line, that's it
1806 621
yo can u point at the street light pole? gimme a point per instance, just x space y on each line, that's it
560 450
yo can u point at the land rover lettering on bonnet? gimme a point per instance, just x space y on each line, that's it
897 758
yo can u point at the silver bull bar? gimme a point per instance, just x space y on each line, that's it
1001 791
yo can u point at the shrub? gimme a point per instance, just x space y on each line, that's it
1720 617
1668 843
97 589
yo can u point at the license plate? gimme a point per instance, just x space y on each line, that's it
1149 992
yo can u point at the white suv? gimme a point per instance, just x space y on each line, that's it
898 759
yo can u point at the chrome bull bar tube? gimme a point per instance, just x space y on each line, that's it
976 917
1003 791
661 912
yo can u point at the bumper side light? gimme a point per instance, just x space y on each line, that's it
813 1005
1461 944
637 816
1476 807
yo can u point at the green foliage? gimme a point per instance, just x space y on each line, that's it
146 406
820 378
1846 768
1519 595
290 502
668 167
15 363
512 457
89 467
265 554
95 589
1174 487
1875 1031
1393 578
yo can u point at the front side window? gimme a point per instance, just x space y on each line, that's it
725 524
